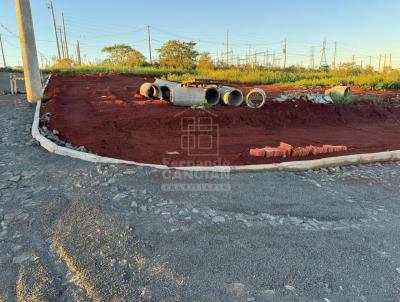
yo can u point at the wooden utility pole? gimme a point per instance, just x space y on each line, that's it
65 37
390 60
2 52
227 47
50 6
353 59
30 62
334 56
149 42
78 53
284 53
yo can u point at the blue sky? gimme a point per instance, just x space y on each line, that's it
361 27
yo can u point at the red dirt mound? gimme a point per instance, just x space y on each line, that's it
105 114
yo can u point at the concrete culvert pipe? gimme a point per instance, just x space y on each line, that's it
342 91
165 88
230 96
256 98
212 96
149 90
188 96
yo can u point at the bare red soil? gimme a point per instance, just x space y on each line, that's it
106 114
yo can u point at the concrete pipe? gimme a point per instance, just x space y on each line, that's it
188 96
149 90
212 96
256 98
342 91
165 88
230 96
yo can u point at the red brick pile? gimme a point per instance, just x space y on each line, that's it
286 150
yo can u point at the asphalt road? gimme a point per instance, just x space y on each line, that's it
77 231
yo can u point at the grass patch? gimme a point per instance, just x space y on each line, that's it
290 76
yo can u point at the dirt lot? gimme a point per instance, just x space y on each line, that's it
106 114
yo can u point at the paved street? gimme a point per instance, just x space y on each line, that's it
77 231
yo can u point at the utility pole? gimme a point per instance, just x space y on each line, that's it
30 62
65 38
149 42
273 59
50 7
353 60
78 53
227 48
312 57
334 56
61 42
390 60
379 66
2 52
323 55
284 52
384 63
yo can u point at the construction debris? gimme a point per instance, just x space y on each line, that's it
285 150
308 97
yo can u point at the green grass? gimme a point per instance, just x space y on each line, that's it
291 77
88 69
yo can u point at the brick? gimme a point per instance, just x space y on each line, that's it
270 152
328 148
257 152
285 149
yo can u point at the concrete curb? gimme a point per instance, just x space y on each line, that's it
295 166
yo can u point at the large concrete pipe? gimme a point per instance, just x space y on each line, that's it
149 90
188 96
230 96
165 88
256 98
342 91
212 96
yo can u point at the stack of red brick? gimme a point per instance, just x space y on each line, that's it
286 150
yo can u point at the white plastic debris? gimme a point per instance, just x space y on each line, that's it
309 97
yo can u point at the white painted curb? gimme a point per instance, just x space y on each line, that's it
286 166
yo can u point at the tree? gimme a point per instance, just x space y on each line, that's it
178 54
63 63
123 55
205 62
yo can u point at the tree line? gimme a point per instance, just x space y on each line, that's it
174 54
